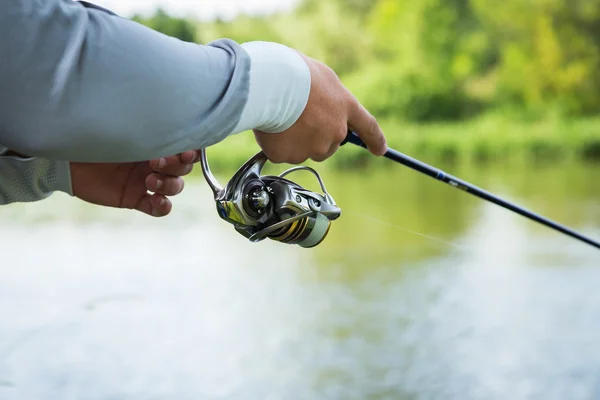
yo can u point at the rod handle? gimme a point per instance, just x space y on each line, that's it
353 138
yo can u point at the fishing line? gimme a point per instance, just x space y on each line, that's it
467 187
273 207
396 226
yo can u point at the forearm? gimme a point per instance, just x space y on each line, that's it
82 85
31 179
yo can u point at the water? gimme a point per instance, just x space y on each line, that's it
107 304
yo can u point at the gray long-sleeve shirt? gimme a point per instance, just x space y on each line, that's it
79 83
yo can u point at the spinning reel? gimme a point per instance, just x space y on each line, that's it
264 206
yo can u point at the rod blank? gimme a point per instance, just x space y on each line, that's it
472 189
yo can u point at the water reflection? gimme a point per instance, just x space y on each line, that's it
104 304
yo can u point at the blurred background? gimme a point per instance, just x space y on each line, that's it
419 292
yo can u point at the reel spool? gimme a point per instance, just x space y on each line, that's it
265 206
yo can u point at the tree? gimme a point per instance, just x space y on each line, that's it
549 52
175 27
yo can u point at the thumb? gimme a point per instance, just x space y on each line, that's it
366 127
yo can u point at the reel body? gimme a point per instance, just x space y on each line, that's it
273 207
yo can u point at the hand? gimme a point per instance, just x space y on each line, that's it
318 133
126 185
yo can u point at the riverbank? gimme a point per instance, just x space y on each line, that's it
483 141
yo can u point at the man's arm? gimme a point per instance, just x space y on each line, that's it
80 84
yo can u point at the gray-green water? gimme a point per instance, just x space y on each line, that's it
106 304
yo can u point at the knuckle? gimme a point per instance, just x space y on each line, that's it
155 165
353 103
298 159
276 158
187 169
180 170
372 125
325 153
172 187
320 157
372 129
180 186
341 134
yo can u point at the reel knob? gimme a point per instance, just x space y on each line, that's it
260 199
257 200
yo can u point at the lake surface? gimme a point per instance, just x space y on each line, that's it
419 292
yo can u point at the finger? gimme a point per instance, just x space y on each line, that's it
164 184
327 154
159 163
155 205
176 169
281 148
367 128
293 158
186 158
190 157
171 166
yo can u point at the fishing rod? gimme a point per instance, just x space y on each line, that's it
440 175
273 207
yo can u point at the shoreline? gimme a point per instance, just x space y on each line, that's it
483 141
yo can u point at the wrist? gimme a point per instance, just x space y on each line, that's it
63 182
280 84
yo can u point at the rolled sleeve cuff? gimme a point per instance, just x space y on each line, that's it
280 83
25 180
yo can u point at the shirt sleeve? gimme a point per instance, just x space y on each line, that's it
24 180
78 83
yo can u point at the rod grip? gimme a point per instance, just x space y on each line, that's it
353 138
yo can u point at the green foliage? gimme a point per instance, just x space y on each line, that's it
480 141
179 28
432 60
325 30
549 53
452 80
